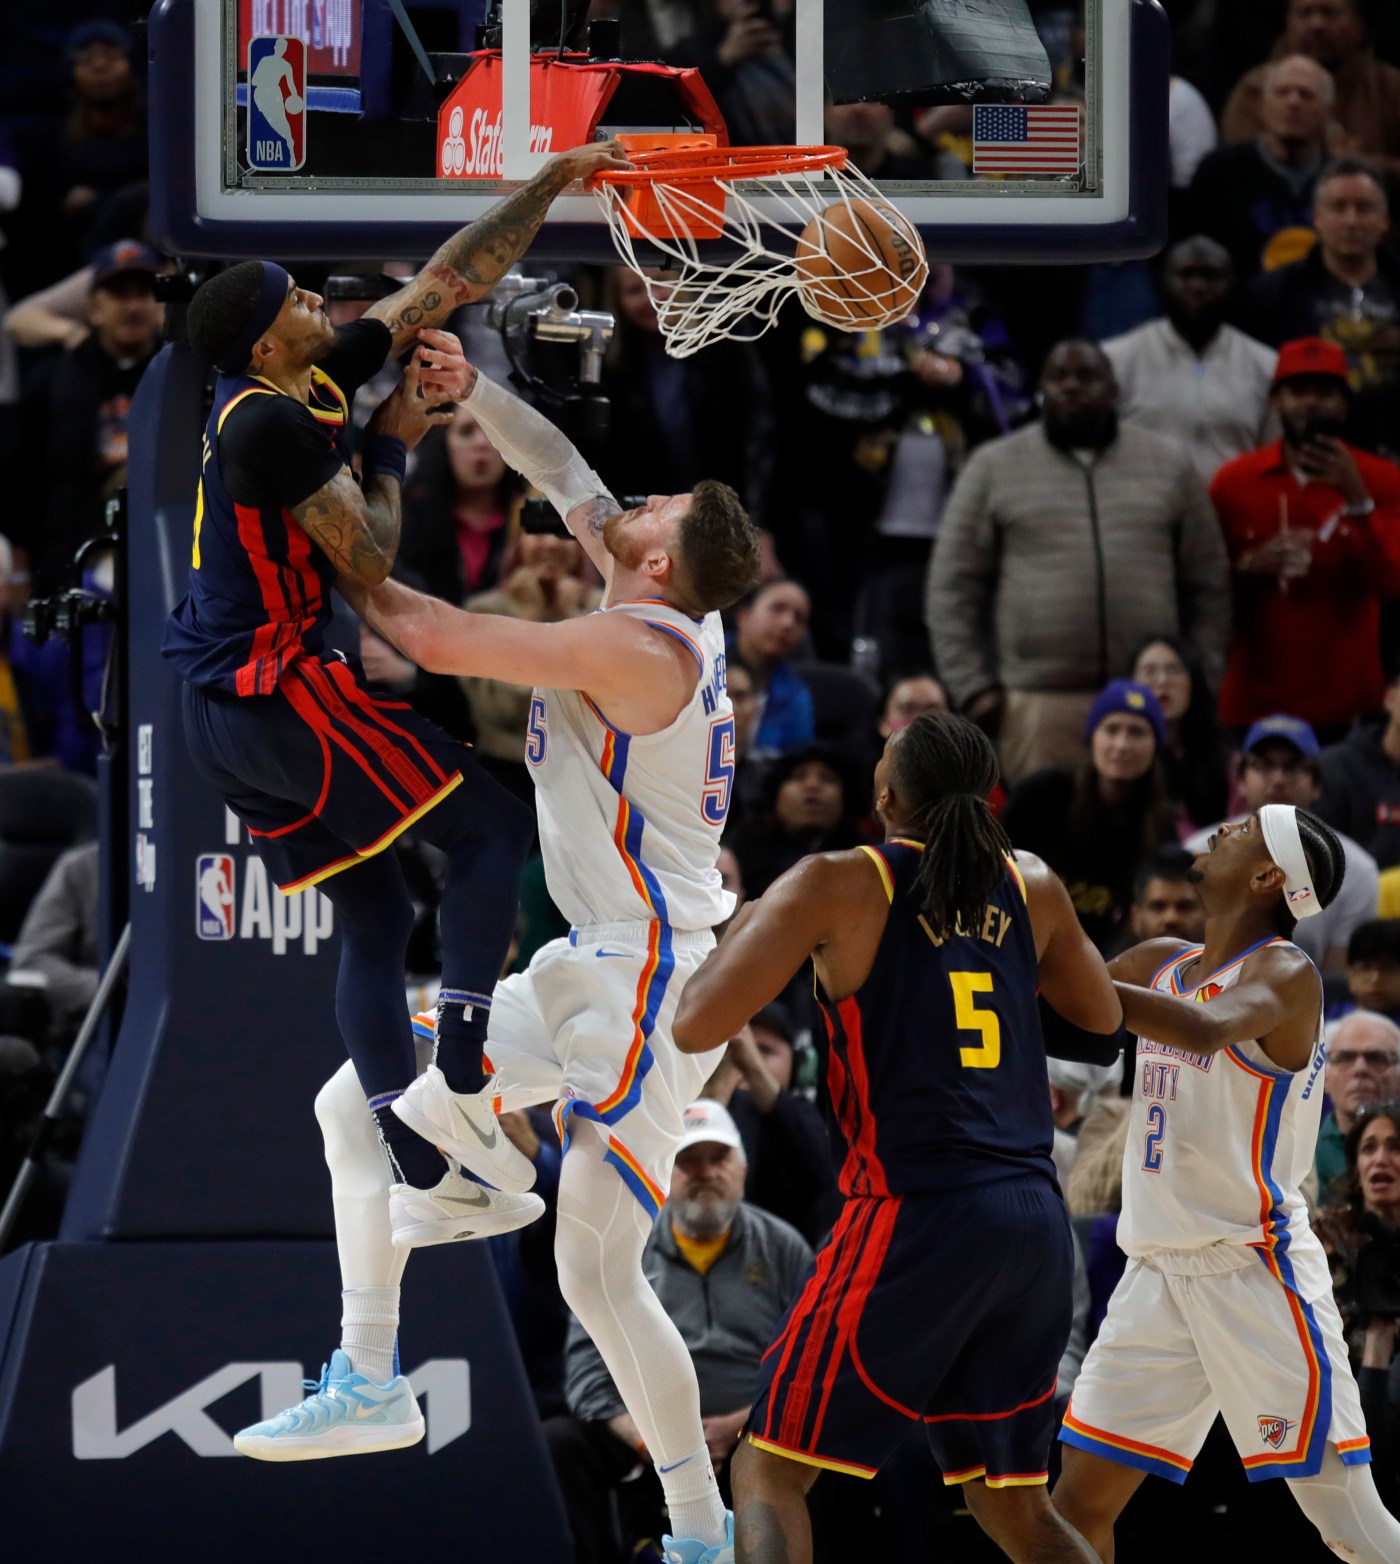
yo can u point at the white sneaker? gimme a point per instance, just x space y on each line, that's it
464 1126
456 1208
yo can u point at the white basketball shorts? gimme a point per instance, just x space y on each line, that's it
1176 1350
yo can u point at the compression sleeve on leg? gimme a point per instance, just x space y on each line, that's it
1342 1502
535 448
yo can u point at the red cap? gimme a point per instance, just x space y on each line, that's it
1310 356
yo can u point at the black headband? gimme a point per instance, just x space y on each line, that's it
276 281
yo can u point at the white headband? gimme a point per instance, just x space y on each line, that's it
1279 823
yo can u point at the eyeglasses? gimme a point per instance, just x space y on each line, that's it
1375 1058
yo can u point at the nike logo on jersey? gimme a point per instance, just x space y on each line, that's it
601 953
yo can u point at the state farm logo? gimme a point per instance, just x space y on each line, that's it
479 153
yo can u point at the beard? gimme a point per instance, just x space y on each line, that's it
704 1217
1094 431
627 551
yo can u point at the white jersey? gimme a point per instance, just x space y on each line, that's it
1218 1145
630 824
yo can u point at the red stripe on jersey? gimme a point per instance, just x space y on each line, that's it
271 643
838 1087
418 787
849 1011
299 561
853 1303
305 702
344 681
823 1315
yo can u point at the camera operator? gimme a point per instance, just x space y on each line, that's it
1362 1238
1312 526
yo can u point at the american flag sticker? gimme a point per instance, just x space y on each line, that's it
1010 138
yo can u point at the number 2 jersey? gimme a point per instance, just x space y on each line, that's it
936 1068
1218 1145
630 823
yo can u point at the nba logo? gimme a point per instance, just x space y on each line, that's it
213 896
276 104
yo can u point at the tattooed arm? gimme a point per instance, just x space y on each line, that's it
475 258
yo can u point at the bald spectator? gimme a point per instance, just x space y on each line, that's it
1366 115
1363 1066
1347 289
1191 376
1024 602
1256 197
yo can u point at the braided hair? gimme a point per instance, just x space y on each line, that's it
1327 865
944 769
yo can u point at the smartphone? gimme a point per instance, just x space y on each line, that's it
1323 426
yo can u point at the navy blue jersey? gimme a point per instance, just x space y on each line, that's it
259 589
937 1064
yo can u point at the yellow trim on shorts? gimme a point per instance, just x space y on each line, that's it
387 840
956 1479
812 1460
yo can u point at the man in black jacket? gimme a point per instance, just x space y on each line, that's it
1346 289
1361 781
73 415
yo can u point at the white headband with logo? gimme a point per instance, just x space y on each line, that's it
1279 823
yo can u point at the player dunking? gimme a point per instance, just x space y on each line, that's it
323 774
943 1296
1226 1306
631 742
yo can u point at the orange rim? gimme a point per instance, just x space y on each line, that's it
705 165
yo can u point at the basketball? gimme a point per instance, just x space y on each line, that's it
860 265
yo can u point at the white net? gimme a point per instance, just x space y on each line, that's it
806 230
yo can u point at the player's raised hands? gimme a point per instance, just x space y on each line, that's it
443 365
410 410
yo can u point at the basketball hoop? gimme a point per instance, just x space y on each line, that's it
683 190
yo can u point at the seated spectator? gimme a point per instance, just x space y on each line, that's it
1095 825
1195 759
1040 527
1312 527
811 804
915 695
1191 376
1278 765
1366 114
1346 289
785 1141
1373 967
1073 1091
456 507
1363 1068
1369 1215
770 627
725 1272
1166 904
57 943
74 409
38 720
544 578
1361 780
746 795
1095 1189
1256 197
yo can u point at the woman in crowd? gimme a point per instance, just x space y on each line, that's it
769 628
1094 826
1362 1236
456 507
1195 758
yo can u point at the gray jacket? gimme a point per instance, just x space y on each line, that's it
727 1317
59 937
1047 570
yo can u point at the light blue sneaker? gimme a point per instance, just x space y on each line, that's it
345 1414
692 1552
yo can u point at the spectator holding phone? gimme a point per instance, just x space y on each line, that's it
1312 527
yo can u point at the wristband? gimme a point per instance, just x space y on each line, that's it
386 456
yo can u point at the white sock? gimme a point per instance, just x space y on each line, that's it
692 1498
369 1323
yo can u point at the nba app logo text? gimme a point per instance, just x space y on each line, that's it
276 104
214 896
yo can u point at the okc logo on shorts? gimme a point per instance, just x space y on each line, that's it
1274 1430
214 896
276 104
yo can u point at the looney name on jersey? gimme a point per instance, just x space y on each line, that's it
993 928
710 693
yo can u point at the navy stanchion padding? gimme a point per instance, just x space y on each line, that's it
126 1366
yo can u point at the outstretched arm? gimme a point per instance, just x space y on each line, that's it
475 258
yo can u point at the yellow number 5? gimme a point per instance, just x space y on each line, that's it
970 1019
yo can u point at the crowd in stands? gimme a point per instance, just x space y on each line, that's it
1140 522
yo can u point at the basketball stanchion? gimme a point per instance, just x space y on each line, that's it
776 222
29 1168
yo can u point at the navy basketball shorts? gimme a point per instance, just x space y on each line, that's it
322 773
949 1311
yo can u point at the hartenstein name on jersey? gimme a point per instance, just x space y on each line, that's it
1200 1062
713 692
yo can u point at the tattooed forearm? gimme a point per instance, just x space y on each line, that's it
593 516
358 532
482 254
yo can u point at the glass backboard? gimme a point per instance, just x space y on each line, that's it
1012 130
